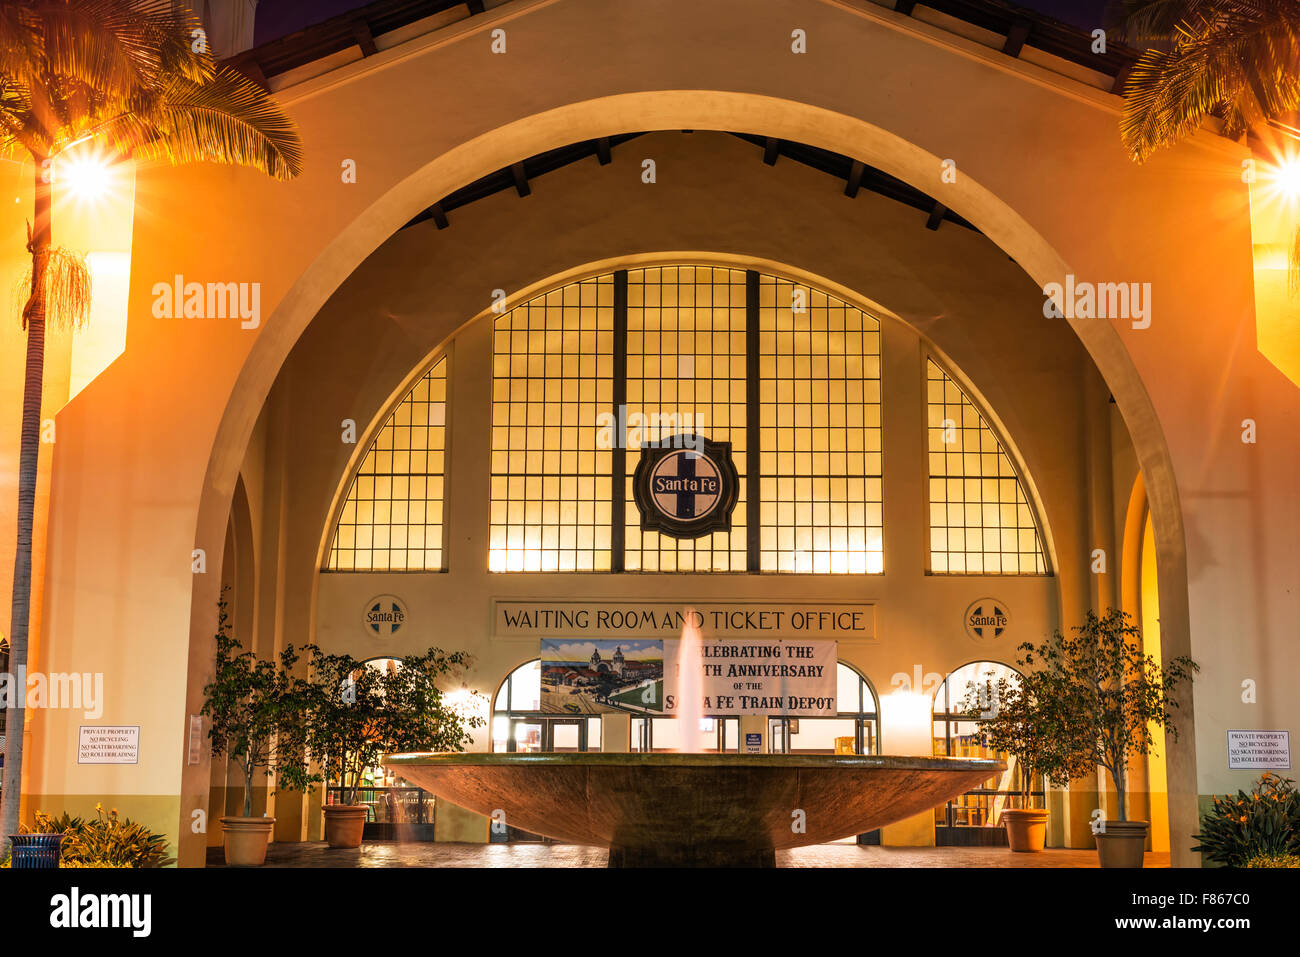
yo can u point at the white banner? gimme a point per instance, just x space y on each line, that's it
753 676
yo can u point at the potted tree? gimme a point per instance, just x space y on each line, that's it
1016 718
1102 696
258 710
360 713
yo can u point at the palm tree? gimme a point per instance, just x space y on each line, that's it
136 76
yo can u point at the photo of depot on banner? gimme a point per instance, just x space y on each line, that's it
752 676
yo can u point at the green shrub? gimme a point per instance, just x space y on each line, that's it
1262 824
107 841
1274 860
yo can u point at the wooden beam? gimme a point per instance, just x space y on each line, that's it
771 151
439 217
855 178
602 151
365 40
936 215
521 178
1121 78
1016 38
253 70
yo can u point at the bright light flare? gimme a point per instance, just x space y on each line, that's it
86 176
1286 177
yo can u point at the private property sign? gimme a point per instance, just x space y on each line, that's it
108 744
1259 750
651 618
754 676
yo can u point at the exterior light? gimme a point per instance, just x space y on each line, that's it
1286 177
86 176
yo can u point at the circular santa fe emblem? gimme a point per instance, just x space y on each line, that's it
987 618
686 486
385 616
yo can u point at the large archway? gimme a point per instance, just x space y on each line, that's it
697 109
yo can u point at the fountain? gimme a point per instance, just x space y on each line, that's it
691 808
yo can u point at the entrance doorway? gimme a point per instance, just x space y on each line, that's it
973 818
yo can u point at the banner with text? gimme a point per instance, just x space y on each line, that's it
753 676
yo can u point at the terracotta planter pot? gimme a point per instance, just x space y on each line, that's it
1026 828
1122 843
343 824
245 840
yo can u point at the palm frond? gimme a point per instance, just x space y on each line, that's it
1152 22
1238 62
229 119
19 39
68 289
113 46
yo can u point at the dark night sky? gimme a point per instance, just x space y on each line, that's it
275 18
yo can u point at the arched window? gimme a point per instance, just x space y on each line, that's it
981 522
392 517
519 724
586 375
974 817
855 726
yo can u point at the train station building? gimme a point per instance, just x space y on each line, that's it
958 369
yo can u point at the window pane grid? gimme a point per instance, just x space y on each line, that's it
981 522
686 370
550 482
820 437
392 518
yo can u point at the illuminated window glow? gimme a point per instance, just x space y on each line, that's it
980 519
686 356
821 437
552 377
392 519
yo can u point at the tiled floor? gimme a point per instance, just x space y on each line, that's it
392 854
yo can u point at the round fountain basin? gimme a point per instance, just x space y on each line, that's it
694 809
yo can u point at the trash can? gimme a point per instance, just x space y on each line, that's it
35 850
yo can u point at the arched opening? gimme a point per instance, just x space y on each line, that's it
974 818
1002 225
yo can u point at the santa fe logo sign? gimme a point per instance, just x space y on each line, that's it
686 486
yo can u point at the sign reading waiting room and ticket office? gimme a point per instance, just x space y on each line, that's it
638 618
754 658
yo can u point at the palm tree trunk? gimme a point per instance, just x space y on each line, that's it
29 452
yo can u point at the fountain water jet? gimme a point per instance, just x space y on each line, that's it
690 699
